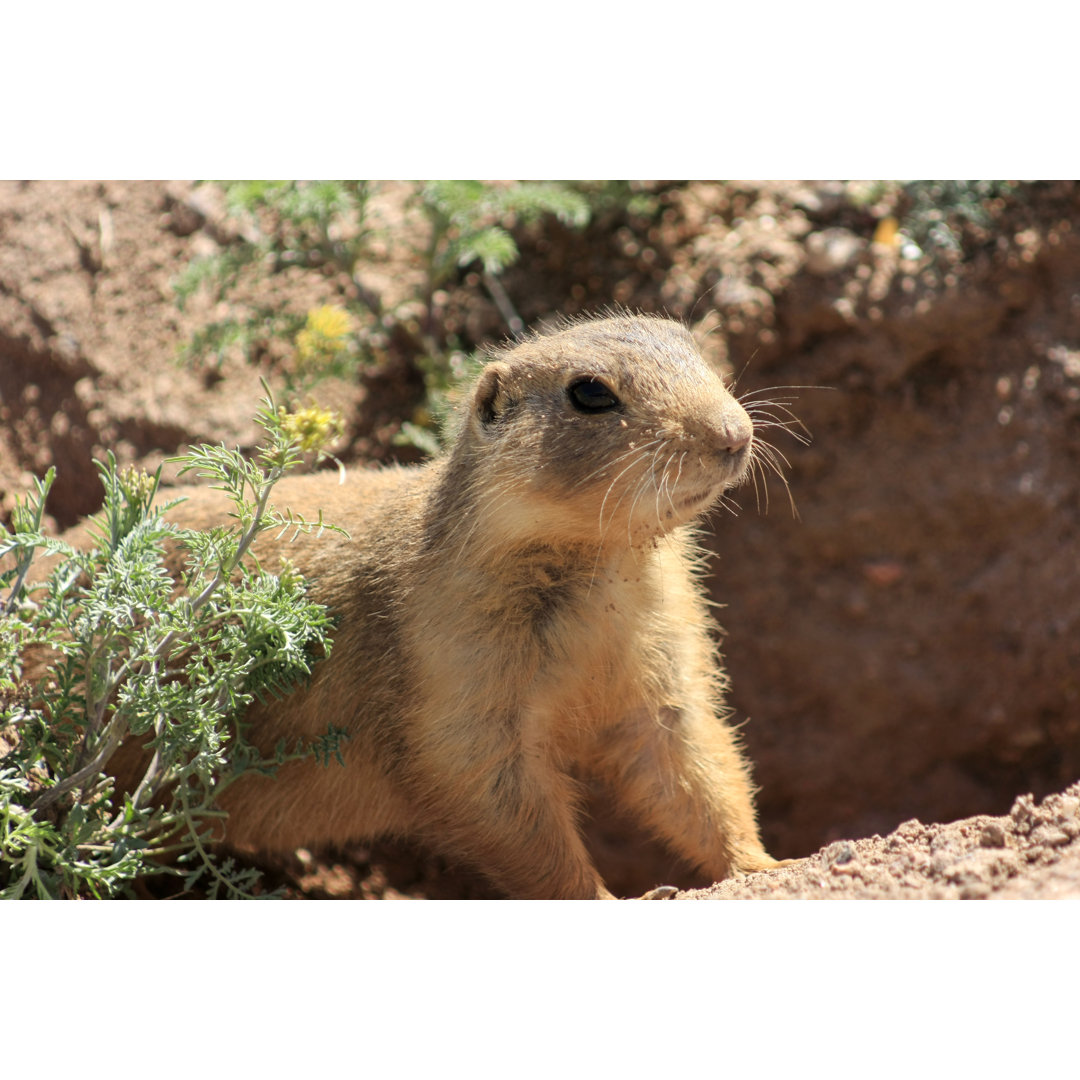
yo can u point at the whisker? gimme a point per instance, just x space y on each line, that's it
639 491
766 456
728 504
746 367
778 425
762 412
770 389
765 419
755 471
607 493
678 477
775 456
665 487
615 461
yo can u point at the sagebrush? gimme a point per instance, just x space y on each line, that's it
132 657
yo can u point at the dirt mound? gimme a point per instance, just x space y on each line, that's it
907 648
1031 853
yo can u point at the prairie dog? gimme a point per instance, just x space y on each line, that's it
522 610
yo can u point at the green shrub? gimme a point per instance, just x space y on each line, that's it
931 215
935 211
133 657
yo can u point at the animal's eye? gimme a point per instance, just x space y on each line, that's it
591 395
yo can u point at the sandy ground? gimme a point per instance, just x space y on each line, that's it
1033 852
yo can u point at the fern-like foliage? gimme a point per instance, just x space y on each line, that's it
130 656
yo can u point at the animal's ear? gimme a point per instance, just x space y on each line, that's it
490 398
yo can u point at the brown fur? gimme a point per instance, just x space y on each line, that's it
520 610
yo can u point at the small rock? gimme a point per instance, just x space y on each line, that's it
1049 836
183 219
839 854
941 863
992 835
831 250
912 829
1023 810
883 573
736 292
945 842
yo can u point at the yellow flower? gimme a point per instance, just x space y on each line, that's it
288 575
887 232
323 336
136 484
329 321
311 428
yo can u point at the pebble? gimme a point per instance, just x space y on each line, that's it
831 250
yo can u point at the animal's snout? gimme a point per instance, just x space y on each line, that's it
730 429
739 441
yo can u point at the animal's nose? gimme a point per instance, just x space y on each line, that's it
724 428
734 430
739 442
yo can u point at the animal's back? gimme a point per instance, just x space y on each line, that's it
363 689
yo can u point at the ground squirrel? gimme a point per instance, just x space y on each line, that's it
521 611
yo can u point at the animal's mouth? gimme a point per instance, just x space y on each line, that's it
702 498
699 500
687 507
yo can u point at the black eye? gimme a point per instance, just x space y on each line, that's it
591 395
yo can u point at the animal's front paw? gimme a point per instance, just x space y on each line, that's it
661 892
752 862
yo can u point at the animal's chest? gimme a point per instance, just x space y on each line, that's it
541 639
586 635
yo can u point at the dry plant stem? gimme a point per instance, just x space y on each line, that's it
114 735
116 729
149 784
20 579
368 297
98 661
505 305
